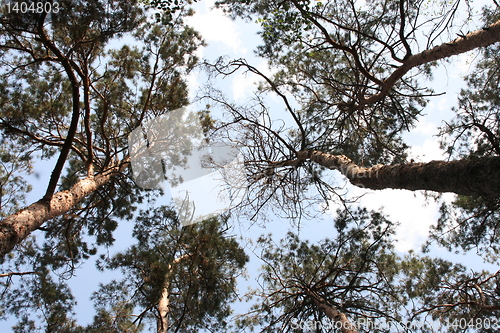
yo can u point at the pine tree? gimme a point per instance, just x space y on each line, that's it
71 95
347 75
177 279
355 281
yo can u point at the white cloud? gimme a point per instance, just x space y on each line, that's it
193 83
426 152
464 64
216 27
243 84
441 103
409 209
425 143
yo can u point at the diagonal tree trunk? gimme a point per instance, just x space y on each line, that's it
472 177
476 39
471 41
16 227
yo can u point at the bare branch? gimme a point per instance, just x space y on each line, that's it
18 274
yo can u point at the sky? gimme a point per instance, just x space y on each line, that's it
238 39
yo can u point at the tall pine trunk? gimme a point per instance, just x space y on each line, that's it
164 307
16 227
164 301
472 177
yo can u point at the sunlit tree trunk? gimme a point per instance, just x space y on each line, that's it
471 41
16 227
164 302
338 318
164 307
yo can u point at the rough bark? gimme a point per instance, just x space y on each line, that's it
472 177
164 307
16 227
471 41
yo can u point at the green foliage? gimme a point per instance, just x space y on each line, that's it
475 131
168 7
42 302
450 294
330 57
127 84
353 272
196 265
359 273
15 164
470 224
97 69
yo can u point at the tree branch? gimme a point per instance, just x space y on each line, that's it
16 227
56 172
473 40
18 274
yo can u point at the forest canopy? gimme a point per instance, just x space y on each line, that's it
347 81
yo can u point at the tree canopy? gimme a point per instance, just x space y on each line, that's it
350 80
68 93
356 282
348 77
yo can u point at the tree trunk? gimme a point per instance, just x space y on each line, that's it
472 177
164 307
471 41
338 318
164 302
16 227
